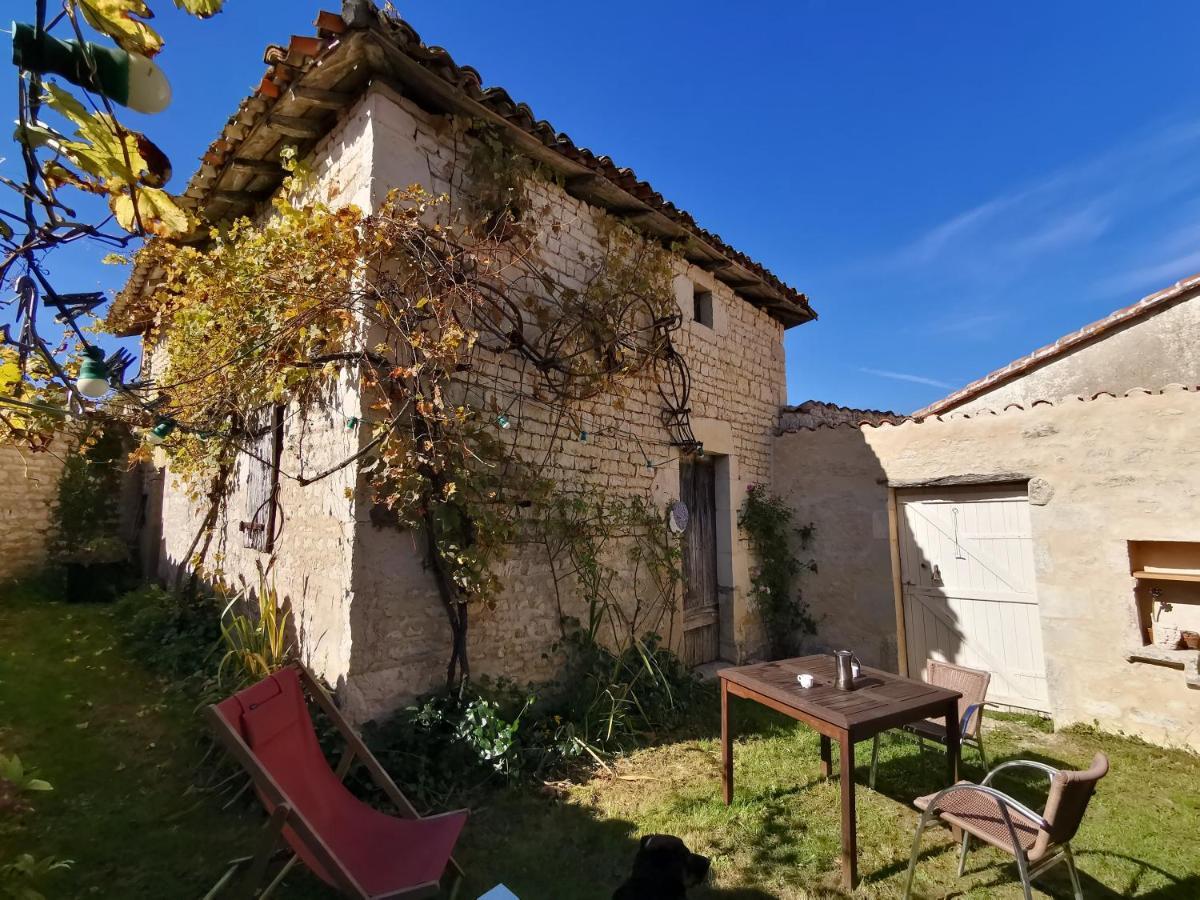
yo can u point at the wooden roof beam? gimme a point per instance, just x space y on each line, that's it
294 126
319 98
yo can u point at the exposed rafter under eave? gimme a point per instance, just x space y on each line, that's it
324 77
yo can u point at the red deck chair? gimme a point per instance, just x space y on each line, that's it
348 844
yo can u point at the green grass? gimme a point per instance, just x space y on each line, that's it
122 751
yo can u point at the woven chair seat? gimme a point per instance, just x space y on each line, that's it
979 815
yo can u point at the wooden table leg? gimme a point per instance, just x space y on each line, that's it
849 825
826 757
726 745
953 741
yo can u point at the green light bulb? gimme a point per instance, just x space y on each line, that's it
128 78
162 430
93 374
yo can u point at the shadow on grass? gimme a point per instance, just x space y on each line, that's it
1187 886
1002 873
539 848
903 776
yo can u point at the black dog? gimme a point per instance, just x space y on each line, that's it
663 869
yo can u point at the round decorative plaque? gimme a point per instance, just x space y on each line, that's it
678 518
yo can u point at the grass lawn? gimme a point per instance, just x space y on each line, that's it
122 750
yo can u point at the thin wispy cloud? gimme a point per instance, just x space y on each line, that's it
1156 276
967 324
906 376
1067 210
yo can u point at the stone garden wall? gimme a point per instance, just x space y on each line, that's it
1101 473
28 492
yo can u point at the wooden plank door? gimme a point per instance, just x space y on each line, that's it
968 587
701 619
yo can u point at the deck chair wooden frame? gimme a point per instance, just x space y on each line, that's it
283 815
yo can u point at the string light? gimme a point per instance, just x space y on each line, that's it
163 429
93 374
129 78
504 421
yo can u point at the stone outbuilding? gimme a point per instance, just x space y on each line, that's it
372 108
1042 523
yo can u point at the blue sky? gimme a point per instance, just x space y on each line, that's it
952 184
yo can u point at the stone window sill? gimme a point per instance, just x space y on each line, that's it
1187 660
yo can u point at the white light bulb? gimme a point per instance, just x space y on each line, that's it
149 90
92 387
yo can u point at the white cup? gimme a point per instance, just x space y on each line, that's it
806 680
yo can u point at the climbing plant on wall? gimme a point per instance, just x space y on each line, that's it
455 333
443 314
768 523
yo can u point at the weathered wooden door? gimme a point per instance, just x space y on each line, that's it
701 619
265 430
966 563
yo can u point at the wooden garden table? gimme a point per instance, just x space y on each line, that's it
880 701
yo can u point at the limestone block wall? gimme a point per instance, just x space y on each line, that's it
368 612
315 544
1106 471
314 535
401 635
28 492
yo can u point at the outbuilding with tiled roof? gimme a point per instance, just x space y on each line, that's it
370 108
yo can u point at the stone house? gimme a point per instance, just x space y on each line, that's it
1040 523
372 108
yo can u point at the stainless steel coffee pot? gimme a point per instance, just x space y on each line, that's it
844 662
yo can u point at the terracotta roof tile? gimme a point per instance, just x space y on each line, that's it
1098 329
305 54
871 419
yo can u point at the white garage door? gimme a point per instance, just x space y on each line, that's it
966 567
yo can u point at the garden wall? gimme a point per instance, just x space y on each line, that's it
1103 472
28 492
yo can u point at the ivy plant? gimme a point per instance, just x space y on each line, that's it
768 523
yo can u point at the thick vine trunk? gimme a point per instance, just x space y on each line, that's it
458 669
215 497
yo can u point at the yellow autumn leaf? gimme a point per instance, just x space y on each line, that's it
122 20
156 208
201 9
100 151
10 374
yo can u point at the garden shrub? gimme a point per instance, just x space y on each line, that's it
22 874
493 731
85 520
177 638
